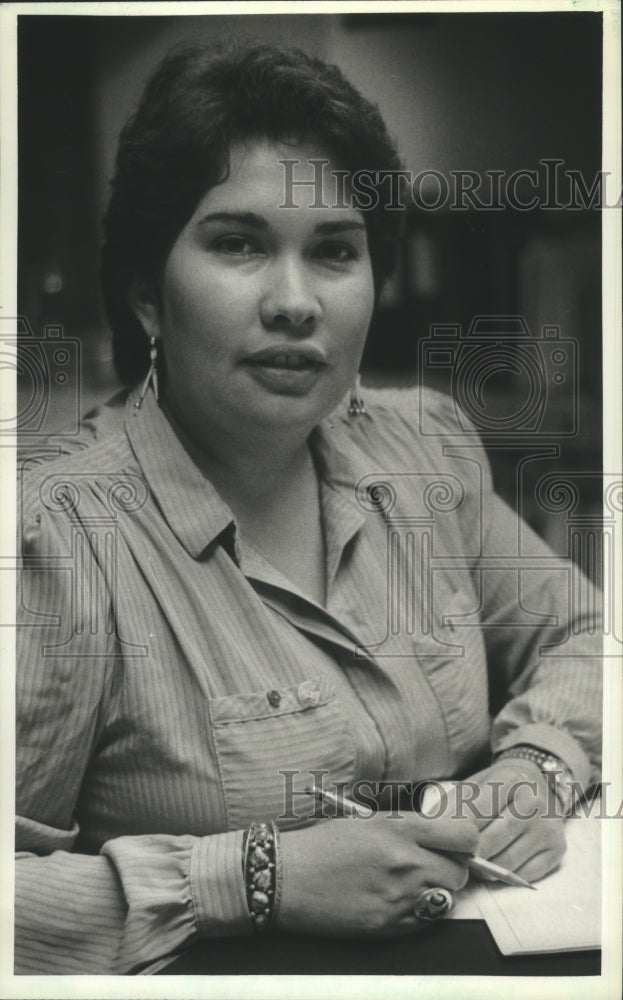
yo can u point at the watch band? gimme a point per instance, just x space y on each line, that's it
556 771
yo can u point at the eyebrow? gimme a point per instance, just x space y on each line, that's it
328 228
244 218
258 222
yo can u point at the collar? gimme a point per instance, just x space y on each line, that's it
194 510
191 506
341 465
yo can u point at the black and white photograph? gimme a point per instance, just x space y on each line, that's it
311 445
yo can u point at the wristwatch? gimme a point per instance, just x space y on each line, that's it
559 777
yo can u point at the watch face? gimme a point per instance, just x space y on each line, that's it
550 765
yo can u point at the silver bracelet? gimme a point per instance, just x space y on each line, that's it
261 867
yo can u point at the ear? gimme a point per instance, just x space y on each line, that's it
144 305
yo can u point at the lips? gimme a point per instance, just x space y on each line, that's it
289 359
287 371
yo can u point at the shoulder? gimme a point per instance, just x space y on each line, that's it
415 440
407 425
98 426
424 411
67 474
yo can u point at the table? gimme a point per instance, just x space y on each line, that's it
451 947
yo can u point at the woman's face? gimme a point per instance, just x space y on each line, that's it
263 311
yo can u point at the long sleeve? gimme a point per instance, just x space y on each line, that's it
538 614
134 768
542 630
142 896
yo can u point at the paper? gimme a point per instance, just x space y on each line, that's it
465 904
565 913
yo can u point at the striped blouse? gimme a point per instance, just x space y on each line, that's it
173 685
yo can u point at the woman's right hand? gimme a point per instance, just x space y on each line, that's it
357 877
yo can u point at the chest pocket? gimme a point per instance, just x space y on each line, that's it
270 743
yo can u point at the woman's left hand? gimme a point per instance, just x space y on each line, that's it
518 816
520 821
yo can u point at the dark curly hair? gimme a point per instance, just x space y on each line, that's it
176 146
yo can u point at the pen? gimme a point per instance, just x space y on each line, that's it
474 863
477 864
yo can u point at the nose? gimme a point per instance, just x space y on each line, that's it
290 301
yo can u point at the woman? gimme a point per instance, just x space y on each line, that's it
206 596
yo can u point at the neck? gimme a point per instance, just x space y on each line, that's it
254 466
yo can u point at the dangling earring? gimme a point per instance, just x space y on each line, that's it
152 374
356 406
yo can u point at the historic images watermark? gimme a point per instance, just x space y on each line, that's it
455 799
548 187
414 505
539 407
49 377
86 507
542 365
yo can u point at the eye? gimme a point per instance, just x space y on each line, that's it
236 246
336 252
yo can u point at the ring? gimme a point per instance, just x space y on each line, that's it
432 904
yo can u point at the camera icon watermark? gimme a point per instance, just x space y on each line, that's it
502 379
48 369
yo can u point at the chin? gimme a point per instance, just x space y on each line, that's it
290 412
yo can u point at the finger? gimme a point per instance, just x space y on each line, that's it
540 833
540 839
423 868
548 840
442 870
485 795
531 864
481 802
513 824
486 803
518 854
446 834
529 800
498 837
540 865
437 799
408 923
458 800
495 798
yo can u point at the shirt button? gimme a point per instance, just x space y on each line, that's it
308 694
274 698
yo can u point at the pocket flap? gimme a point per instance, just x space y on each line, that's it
271 703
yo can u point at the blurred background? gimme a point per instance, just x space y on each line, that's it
481 92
